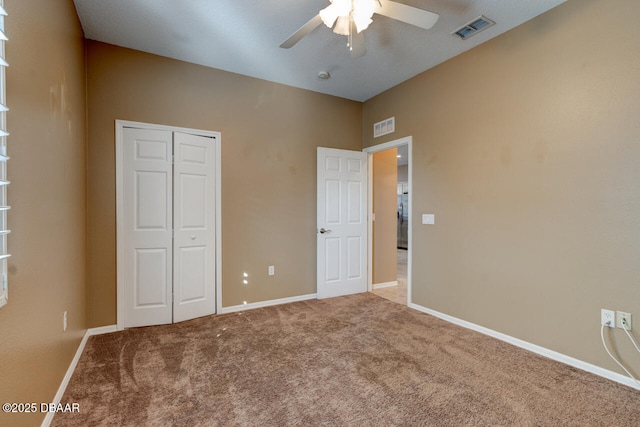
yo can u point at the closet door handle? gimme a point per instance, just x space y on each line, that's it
323 231
193 237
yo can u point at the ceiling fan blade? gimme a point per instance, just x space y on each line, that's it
302 31
411 15
357 43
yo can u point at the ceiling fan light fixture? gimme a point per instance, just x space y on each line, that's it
329 16
363 11
362 22
341 12
351 17
336 9
342 26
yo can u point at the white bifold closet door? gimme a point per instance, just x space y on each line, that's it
169 224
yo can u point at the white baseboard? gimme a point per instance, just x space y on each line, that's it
252 305
72 367
113 328
385 285
554 355
559 357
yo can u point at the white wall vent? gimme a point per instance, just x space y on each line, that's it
384 127
474 27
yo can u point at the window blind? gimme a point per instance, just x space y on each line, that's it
4 207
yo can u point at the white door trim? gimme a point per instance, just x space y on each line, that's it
407 140
119 127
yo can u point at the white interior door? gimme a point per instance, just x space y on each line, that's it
341 222
148 222
168 238
194 229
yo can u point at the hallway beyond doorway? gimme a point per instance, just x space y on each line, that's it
397 293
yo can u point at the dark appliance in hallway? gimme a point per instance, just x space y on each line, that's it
403 220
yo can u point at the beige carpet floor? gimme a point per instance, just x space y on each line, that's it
350 361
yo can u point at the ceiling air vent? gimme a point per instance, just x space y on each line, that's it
474 27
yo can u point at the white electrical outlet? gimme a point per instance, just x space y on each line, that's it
624 320
428 218
608 318
272 270
64 322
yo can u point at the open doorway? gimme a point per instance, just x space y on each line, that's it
389 207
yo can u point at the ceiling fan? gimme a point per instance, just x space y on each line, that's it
351 17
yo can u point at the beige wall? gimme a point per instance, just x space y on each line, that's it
269 137
403 173
46 94
385 206
536 190
526 149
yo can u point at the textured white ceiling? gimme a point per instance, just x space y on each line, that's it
243 37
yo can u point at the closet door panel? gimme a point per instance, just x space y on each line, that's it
194 226
148 223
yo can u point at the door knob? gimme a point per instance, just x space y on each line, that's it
193 237
323 231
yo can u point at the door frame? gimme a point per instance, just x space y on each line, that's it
408 141
119 129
